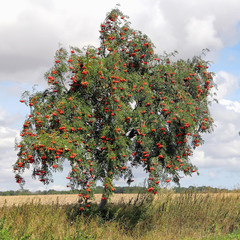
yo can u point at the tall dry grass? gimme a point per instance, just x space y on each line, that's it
170 216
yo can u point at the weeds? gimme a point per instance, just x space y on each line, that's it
169 216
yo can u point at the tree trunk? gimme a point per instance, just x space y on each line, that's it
105 194
103 202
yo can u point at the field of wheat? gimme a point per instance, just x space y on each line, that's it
128 216
63 199
60 199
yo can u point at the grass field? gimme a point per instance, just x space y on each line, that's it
168 216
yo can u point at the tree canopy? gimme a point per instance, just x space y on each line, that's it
110 108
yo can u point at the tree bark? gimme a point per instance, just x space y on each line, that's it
106 193
103 202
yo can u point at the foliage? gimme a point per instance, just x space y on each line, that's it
110 108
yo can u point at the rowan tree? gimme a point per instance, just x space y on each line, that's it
110 108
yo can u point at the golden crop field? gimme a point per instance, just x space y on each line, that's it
63 199
60 199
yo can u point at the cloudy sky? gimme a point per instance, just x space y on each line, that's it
31 31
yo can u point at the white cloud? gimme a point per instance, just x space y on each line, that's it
190 26
7 156
226 84
199 158
7 136
231 105
200 33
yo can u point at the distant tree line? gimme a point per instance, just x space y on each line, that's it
125 190
202 189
